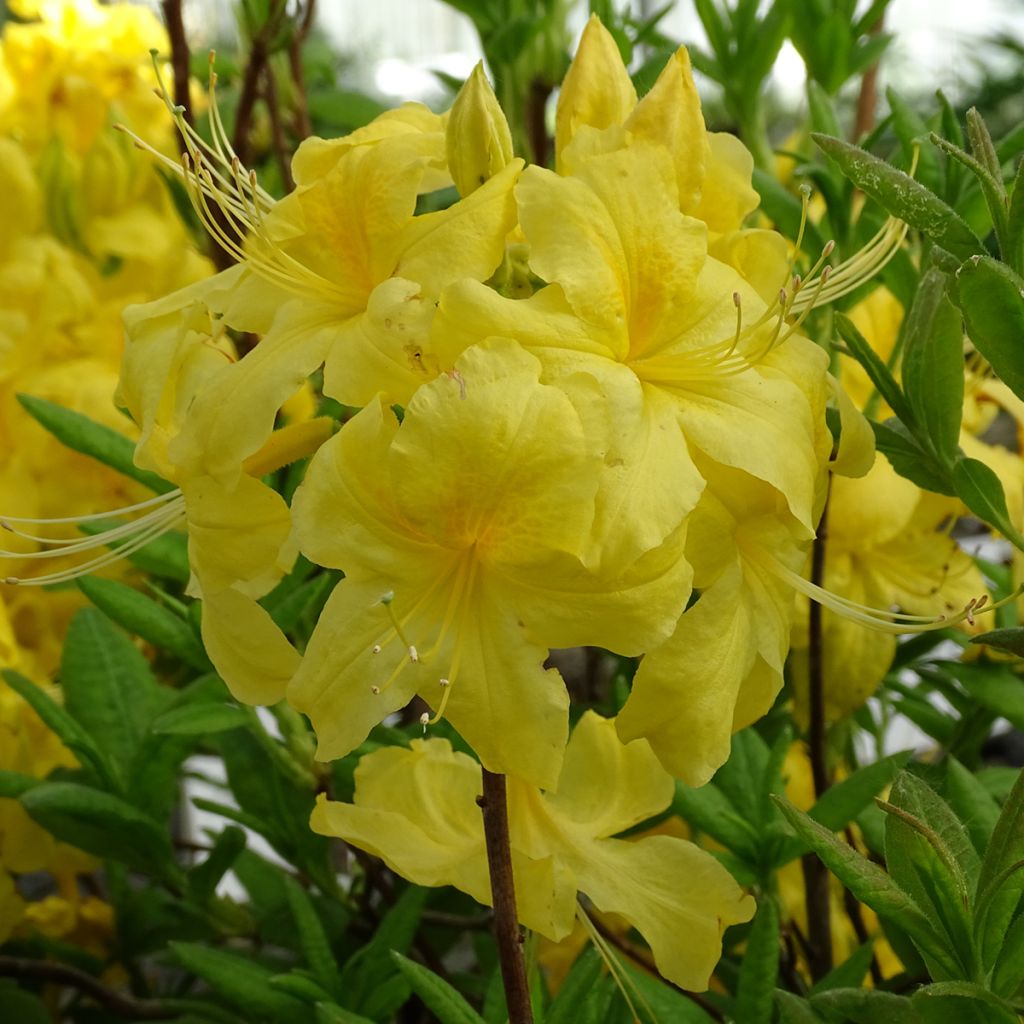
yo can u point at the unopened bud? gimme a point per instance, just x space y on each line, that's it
478 140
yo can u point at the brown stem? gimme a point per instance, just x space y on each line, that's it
278 139
125 1006
247 99
868 97
503 894
179 62
303 126
536 120
816 879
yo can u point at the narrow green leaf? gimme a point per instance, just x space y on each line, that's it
102 824
327 1013
933 366
1015 223
982 147
991 297
1009 640
880 374
866 1006
447 1005
94 439
795 1010
909 459
21 1007
312 937
868 882
822 110
200 719
143 617
71 734
996 1011
108 686
204 878
972 802
759 969
982 492
302 986
997 887
903 197
240 981
841 803
851 972
709 810
13 784
1008 972
912 132
580 981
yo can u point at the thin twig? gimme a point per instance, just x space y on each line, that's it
280 143
179 62
303 126
817 888
25 969
506 922
867 99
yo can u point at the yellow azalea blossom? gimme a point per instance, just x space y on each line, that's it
598 110
888 546
462 531
416 808
635 300
722 667
341 272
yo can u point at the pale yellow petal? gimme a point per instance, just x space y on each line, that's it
249 651
597 90
727 195
607 786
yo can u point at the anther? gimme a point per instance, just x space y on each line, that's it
12 580
443 682
424 720
376 649
829 246
736 299
414 655
375 690
6 525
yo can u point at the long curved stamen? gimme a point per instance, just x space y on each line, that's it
155 526
881 620
93 517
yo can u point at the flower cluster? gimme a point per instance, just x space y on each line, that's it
89 226
578 410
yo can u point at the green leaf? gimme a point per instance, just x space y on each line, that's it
312 937
909 459
903 197
912 132
103 825
306 599
370 979
1009 640
866 1006
13 784
880 374
1008 971
822 110
108 687
972 802
933 366
841 803
94 439
201 719
998 885
204 878
70 733
982 492
760 967
991 297
580 981
143 617
971 1004
709 810
929 854
240 981
794 1010
868 882
1014 254
850 973
21 1007
447 1005
327 1013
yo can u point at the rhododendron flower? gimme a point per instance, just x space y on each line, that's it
416 808
459 533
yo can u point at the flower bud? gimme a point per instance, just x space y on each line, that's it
478 141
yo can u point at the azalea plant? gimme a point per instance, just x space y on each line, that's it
521 530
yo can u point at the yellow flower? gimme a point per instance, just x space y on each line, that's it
888 546
478 140
341 272
416 808
635 300
722 667
462 528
